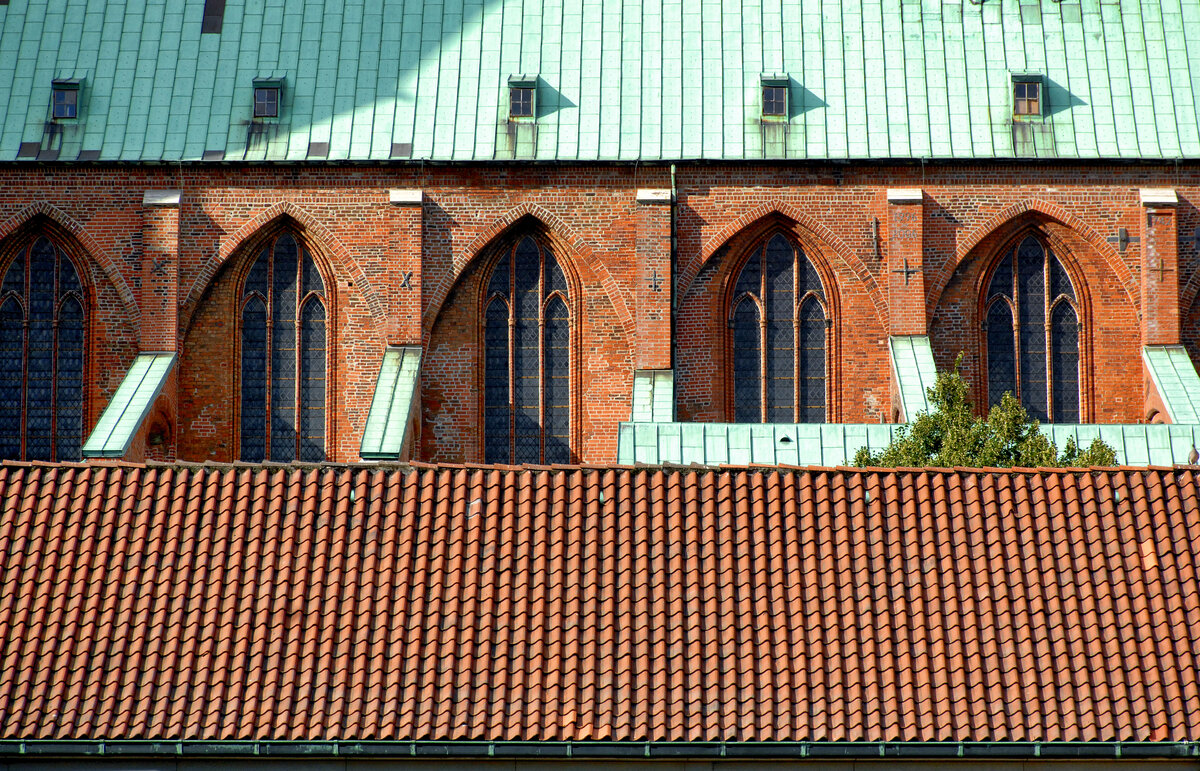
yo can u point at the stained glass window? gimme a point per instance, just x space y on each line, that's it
778 326
42 327
526 358
283 358
1031 321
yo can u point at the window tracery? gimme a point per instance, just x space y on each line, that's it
283 355
1032 333
42 329
778 333
526 341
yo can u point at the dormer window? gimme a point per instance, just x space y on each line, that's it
64 99
522 97
774 96
1027 96
267 92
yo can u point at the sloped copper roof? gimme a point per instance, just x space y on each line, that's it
583 604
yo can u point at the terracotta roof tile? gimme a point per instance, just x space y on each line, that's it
449 603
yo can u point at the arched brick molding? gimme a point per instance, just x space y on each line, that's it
809 230
316 233
1017 216
558 232
94 251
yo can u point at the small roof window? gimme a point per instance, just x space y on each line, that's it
1028 97
64 99
267 93
775 97
522 97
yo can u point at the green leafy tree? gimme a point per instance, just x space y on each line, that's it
951 435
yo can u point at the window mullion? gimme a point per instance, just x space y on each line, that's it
541 364
268 351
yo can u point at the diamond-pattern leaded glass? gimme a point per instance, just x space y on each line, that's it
312 380
42 326
556 389
284 347
812 362
779 358
254 380
526 373
1064 363
1035 360
12 376
747 381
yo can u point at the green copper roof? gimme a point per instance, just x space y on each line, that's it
1175 378
653 395
614 79
129 406
834 444
388 420
914 370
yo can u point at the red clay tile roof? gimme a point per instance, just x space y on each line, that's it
468 603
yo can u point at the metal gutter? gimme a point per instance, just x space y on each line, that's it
1095 750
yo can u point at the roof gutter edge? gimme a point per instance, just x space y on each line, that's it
1094 750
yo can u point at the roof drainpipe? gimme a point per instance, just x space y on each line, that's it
674 267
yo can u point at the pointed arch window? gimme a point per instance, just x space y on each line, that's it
42 326
778 331
527 352
283 358
1031 322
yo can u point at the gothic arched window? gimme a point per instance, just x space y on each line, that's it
283 355
1031 317
41 356
527 353
778 323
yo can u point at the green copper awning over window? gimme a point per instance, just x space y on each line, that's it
129 406
387 423
915 372
653 396
1175 378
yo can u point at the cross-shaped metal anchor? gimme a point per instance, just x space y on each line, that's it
907 271
655 281
1161 269
158 267
406 280
1122 239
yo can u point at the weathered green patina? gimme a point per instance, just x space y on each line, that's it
615 79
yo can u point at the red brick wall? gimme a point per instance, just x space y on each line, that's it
590 215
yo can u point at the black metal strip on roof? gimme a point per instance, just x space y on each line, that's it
1110 750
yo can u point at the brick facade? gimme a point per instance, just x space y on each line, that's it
406 273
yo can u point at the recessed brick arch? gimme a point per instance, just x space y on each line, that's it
808 229
1017 216
42 209
317 234
558 233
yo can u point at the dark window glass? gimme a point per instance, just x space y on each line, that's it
66 101
213 16
527 355
779 357
775 101
266 102
1064 362
520 102
1027 98
284 347
42 326
1033 354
